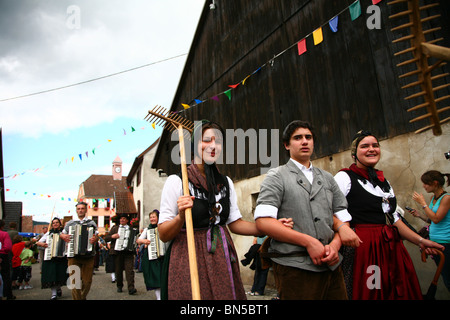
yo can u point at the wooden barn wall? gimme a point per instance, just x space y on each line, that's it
347 83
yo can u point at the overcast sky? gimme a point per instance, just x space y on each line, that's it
48 44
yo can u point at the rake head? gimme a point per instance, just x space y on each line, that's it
168 120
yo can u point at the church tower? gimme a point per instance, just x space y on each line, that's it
117 169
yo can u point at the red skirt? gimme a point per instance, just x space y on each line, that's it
383 269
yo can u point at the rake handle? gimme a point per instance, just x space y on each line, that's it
195 285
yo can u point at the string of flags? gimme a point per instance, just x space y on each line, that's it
42 196
80 156
354 10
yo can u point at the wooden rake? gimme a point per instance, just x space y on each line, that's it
421 50
172 121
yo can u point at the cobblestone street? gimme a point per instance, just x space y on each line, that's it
103 289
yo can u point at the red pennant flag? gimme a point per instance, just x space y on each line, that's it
234 86
301 45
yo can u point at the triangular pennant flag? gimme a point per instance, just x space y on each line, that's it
228 94
215 98
87 154
124 132
72 159
198 101
80 157
334 24
355 10
301 45
59 164
132 129
153 125
234 86
93 151
185 106
318 36
109 140
376 1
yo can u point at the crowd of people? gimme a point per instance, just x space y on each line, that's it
325 237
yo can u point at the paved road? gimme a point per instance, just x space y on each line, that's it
103 289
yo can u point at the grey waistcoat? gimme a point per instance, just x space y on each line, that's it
311 206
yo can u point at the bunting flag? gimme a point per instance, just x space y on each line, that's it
301 47
318 36
333 23
228 94
355 10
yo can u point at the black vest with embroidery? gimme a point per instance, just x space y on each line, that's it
364 207
200 211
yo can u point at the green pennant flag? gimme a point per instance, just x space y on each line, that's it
132 129
355 10
228 94
93 151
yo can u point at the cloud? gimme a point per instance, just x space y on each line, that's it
38 51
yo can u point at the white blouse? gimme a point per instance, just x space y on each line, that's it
173 189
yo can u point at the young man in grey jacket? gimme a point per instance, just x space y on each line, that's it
305 259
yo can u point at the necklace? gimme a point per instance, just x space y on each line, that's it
436 198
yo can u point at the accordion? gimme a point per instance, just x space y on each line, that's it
156 248
56 247
127 239
79 243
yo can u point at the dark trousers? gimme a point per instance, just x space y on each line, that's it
124 261
6 275
297 284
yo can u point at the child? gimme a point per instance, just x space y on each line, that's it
16 262
25 268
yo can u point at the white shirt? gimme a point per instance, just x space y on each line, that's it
173 189
268 211
344 182
81 222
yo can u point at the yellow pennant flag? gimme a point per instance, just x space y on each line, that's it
318 36
153 125
185 106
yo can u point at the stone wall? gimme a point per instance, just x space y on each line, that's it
403 159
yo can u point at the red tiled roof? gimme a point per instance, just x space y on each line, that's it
125 203
103 186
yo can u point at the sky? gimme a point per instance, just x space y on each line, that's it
51 111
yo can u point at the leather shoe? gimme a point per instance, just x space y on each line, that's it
132 291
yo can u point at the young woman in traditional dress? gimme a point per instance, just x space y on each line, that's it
54 272
213 202
378 266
